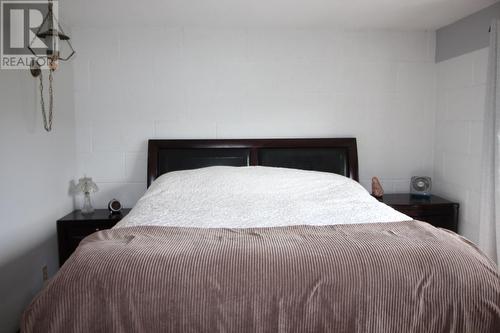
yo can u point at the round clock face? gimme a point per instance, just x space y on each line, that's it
115 205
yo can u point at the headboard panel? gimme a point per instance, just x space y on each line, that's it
328 155
183 159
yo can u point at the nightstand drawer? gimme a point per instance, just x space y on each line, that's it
435 210
442 219
75 235
85 230
73 228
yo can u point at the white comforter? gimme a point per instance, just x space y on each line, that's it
245 197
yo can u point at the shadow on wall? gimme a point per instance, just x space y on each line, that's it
22 279
73 192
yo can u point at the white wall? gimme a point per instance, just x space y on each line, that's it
35 171
459 123
135 84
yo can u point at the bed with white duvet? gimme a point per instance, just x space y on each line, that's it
257 249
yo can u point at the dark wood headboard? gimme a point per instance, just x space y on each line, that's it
338 156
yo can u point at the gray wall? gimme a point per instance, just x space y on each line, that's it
467 35
35 170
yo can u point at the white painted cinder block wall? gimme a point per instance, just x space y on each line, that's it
135 84
35 170
461 91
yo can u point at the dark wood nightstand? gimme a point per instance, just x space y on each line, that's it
75 226
435 210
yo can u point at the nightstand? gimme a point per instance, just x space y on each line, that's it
435 210
75 226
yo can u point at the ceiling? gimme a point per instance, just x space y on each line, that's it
342 14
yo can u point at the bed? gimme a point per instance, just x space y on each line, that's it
267 236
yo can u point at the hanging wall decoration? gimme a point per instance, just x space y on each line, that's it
58 48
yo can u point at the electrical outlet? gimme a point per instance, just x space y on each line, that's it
45 274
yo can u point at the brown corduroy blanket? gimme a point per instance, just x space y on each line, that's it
383 277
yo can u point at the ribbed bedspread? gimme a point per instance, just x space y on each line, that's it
383 277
